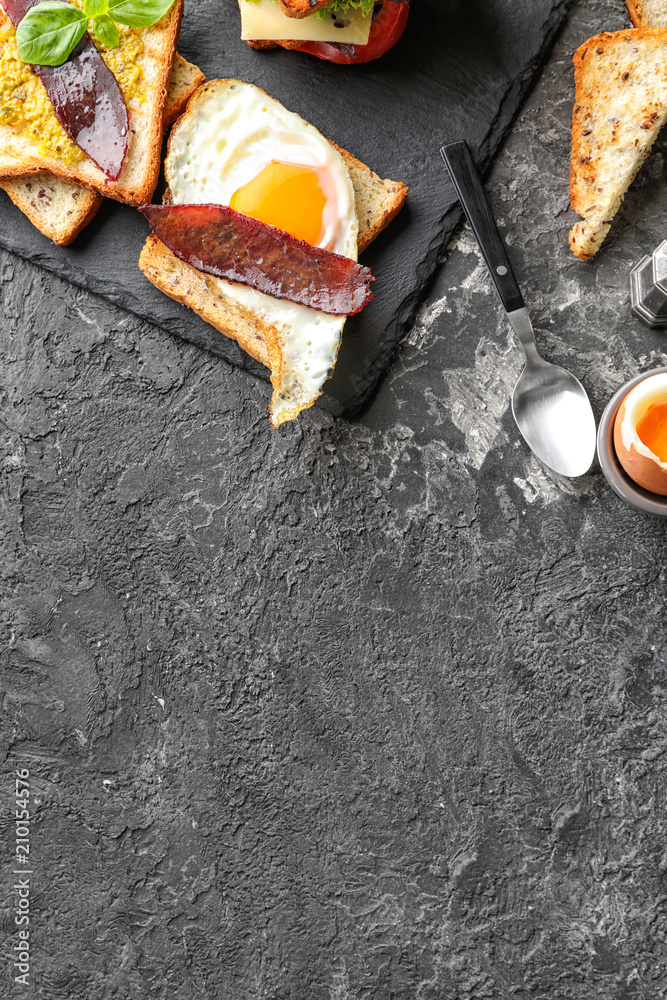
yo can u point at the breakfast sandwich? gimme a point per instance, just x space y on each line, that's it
92 113
260 232
60 209
339 31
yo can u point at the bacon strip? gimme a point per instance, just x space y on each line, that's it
86 99
220 241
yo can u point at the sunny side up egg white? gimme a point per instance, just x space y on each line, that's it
244 149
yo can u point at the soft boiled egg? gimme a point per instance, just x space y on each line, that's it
640 433
242 148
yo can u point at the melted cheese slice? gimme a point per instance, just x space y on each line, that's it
262 19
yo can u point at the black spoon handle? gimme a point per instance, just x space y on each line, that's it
469 188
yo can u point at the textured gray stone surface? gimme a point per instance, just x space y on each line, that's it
352 709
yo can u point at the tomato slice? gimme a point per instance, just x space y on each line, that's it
389 20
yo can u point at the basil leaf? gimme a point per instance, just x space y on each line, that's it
95 8
139 13
49 32
106 31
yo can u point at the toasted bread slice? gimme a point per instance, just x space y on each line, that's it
376 201
648 13
185 80
620 107
20 155
302 8
60 209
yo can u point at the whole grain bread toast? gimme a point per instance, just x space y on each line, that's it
20 156
620 107
648 13
377 202
185 80
61 209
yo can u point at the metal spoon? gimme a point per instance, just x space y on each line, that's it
549 404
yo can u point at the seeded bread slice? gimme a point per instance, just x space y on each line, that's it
377 201
185 79
648 13
620 106
20 156
60 209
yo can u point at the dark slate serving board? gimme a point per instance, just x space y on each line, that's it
460 70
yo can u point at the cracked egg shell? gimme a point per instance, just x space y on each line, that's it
640 434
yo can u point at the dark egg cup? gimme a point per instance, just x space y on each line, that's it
615 474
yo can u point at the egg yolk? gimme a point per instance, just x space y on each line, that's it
288 197
652 429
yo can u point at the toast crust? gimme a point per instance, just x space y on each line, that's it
184 81
620 106
378 201
635 12
139 176
61 209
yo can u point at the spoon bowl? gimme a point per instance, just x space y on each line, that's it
550 405
553 413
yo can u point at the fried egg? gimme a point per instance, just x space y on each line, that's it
242 148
